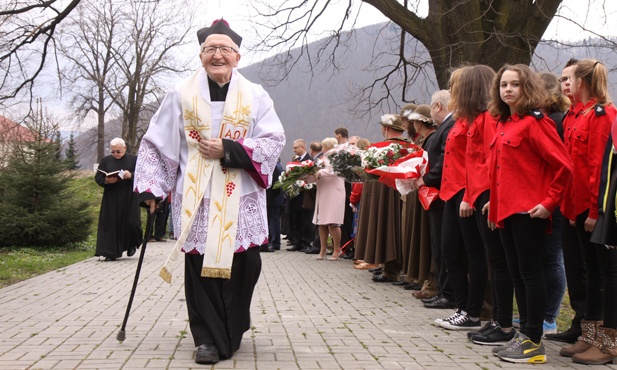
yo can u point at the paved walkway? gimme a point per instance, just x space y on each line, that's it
306 314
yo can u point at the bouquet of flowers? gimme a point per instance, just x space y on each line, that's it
398 165
376 156
292 180
346 162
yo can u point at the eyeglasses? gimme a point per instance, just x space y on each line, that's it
564 79
116 152
211 50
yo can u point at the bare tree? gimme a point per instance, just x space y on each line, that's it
156 30
453 33
27 30
88 46
118 52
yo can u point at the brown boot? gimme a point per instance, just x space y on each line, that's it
585 341
602 352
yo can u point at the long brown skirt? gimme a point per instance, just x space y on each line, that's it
379 224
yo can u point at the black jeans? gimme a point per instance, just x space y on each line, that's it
574 241
502 288
435 218
595 283
522 239
607 260
460 236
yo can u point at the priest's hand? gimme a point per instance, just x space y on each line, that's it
151 203
111 180
211 149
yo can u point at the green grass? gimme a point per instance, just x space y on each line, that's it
19 263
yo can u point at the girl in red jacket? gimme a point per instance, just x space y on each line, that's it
529 171
460 235
586 138
472 101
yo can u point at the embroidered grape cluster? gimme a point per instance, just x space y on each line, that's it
195 135
229 188
224 170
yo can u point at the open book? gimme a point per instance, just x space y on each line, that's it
119 174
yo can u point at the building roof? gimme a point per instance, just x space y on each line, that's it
13 131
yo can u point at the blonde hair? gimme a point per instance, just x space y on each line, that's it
328 143
594 76
454 87
363 143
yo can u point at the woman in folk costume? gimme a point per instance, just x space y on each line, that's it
379 227
214 142
417 257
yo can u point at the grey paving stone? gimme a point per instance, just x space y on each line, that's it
306 314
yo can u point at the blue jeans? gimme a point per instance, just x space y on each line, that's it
554 271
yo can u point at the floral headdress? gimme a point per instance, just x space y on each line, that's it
393 121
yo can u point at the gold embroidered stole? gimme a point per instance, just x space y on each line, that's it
225 182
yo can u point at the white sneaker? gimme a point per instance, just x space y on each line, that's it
452 317
462 322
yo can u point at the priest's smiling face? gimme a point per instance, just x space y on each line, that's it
118 151
219 55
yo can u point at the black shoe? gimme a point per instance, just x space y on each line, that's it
413 286
377 270
349 253
401 283
207 354
131 251
109 259
485 329
313 250
266 248
494 337
432 299
568 336
305 248
381 279
440 303
294 248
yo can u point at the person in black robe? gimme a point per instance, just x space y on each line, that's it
119 218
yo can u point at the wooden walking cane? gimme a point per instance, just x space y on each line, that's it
122 334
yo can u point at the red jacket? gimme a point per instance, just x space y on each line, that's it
479 134
356 192
453 175
585 138
528 165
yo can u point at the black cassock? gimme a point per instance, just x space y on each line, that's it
119 218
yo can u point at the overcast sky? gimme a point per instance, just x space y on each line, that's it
241 16
240 12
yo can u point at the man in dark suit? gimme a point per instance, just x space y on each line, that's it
310 196
300 218
435 146
274 204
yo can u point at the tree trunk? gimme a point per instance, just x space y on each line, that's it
458 32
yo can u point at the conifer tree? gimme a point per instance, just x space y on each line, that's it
36 208
70 155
